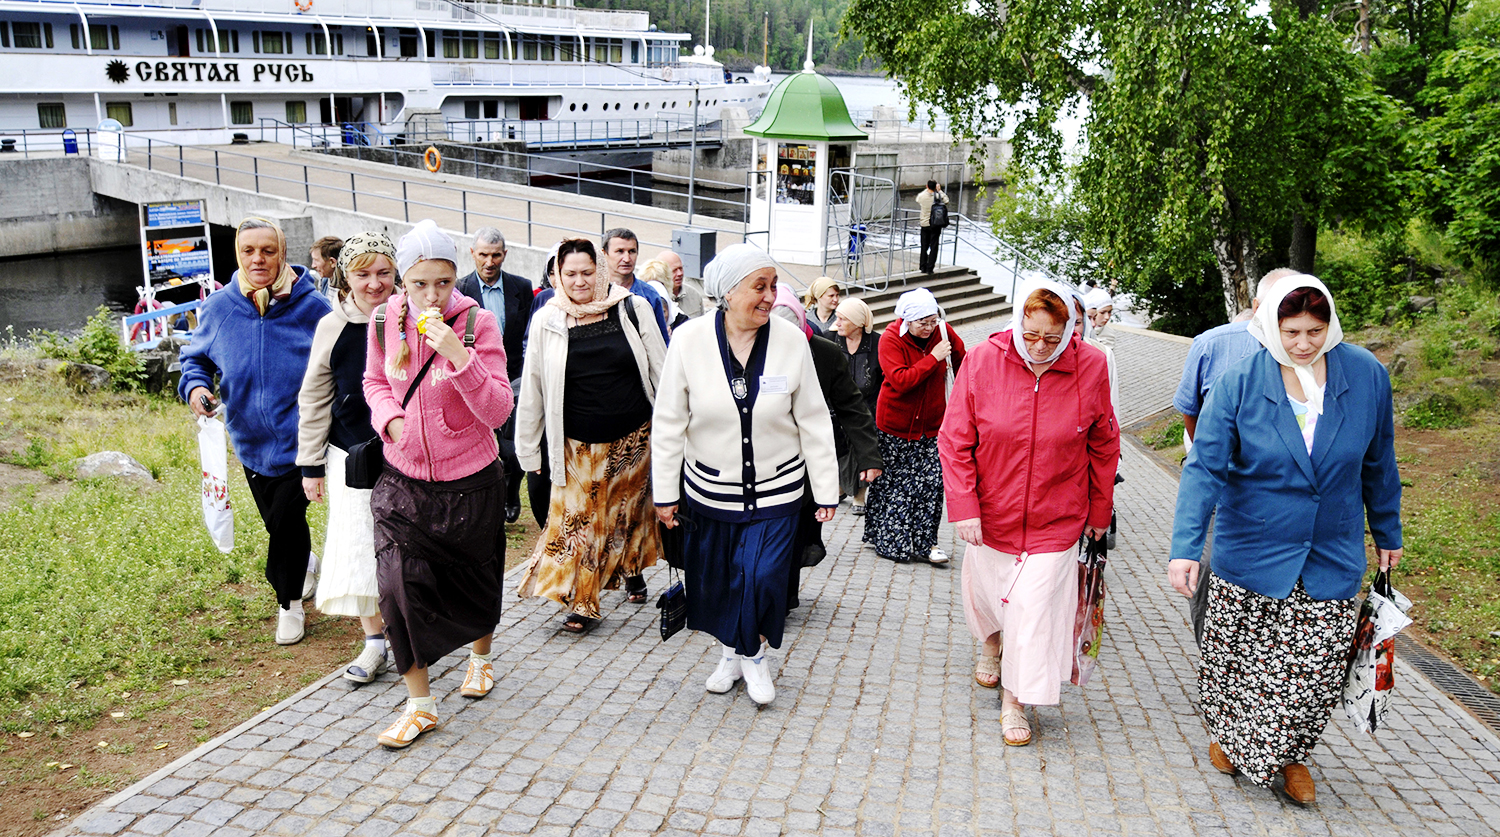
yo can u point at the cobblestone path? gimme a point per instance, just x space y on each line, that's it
877 729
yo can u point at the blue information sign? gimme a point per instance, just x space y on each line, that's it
174 213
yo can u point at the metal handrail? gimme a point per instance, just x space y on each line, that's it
533 168
178 159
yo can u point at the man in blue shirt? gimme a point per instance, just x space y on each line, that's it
508 297
1212 353
621 248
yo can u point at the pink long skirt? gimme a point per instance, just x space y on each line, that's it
1031 603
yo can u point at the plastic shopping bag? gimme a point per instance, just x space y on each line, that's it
1088 621
212 446
1371 678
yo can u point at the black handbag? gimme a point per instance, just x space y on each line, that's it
673 605
366 460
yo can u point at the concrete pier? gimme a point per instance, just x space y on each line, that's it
50 206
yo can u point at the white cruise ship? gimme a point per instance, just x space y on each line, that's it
200 71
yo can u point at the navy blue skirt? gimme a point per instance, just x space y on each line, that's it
737 577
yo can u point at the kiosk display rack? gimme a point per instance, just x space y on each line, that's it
174 254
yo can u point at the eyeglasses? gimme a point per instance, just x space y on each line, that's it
1049 339
925 322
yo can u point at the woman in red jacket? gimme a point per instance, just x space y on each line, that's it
1029 448
905 505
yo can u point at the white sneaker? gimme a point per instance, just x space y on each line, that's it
937 556
290 627
757 671
369 665
724 677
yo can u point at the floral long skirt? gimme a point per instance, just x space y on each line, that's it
904 506
1271 674
601 525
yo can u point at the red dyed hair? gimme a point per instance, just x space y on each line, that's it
1046 301
1305 301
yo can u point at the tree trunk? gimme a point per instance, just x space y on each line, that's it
1236 258
1304 244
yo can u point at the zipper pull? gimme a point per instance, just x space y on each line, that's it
1038 387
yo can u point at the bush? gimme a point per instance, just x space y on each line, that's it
99 344
1435 412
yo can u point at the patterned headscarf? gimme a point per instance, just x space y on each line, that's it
356 246
281 286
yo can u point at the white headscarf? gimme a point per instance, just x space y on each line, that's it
1098 298
1018 315
1083 302
915 305
425 241
1266 327
730 267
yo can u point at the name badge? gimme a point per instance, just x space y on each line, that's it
773 383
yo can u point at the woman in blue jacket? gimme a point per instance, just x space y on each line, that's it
253 340
1295 446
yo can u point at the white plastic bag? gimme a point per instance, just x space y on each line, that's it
212 445
1371 676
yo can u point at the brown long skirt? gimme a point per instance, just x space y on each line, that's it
439 561
601 525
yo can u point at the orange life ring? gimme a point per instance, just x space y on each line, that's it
303 5
432 159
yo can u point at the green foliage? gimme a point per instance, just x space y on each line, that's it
99 344
1212 128
1460 150
1165 435
736 26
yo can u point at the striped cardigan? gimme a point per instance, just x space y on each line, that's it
741 461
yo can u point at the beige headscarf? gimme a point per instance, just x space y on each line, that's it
816 290
606 293
1265 326
857 313
281 286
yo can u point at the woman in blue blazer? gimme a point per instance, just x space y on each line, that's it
1295 446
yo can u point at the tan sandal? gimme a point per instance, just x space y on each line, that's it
1011 719
987 671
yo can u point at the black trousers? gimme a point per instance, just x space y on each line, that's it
539 488
506 436
283 508
929 256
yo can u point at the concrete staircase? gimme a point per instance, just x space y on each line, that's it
963 297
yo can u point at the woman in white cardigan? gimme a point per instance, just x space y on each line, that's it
588 381
740 424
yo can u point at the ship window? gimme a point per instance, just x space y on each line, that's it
317 43
28 35
491 109
573 106
73 32
171 112
492 45
635 52
585 107
51 115
616 52
229 41
372 48
408 43
120 112
471 109
242 113
431 43
197 33
450 44
549 49
4 34
601 50
275 43
636 106
529 48
99 36
471 44
296 113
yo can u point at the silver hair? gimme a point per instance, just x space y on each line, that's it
1263 289
611 235
489 235
256 224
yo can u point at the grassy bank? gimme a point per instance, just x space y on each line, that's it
126 638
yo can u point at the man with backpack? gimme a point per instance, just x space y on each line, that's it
932 223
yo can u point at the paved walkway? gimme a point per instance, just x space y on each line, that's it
877 729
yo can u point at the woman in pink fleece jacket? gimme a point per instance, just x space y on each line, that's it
439 505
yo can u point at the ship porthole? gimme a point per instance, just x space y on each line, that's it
573 106
585 106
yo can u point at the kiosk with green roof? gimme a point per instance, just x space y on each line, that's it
803 133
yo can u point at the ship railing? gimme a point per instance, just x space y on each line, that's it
644 132
48 142
535 221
